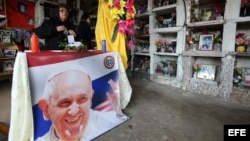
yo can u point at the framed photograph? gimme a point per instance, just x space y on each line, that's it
22 7
6 39
1 5
8 66
206 42
9 52
31 21
1 53
206 14
207 72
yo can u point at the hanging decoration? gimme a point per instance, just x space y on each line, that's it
124 12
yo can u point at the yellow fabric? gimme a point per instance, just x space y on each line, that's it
104 30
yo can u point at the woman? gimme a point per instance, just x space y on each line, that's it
84 30
56 29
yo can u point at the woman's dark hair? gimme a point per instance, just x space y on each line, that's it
55 13
84 17
63 6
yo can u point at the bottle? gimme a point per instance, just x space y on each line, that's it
103 45
34 43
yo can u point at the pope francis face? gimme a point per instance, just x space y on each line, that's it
69 105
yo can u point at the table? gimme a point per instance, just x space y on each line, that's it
21 125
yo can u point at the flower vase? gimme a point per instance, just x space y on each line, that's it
240 48
158 49
195 46
217 46
162 48
139 49
195 75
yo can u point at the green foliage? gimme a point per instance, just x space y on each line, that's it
65 46
115 32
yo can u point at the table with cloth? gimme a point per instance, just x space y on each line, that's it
22 122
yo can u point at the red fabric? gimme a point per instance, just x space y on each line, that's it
17 19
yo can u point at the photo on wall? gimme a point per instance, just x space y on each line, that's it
1 5
22 7
8 66
206 42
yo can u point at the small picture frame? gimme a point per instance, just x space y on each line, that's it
1 53
207 72
206 14
206 42
6 39
8 66
1 5
9 52
22 7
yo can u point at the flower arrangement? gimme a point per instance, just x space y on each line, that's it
66 46
195 39
196 67
159 19
245 3
217 38
124 12
240 39
160 43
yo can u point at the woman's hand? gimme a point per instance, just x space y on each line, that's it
60 28
72 32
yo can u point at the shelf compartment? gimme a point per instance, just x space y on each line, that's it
142 36
143 15
166 54
141 63
165 9
142 54
243 54
168 30
204 53
206 23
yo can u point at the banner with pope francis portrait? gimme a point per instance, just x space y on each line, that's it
75 96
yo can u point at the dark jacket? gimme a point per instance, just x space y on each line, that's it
48 31
84 33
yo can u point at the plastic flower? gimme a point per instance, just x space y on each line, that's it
196 39
217 38
123 11
245 3
160 42
240 39
196 67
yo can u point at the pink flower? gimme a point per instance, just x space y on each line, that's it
245 2
131 31
122 26
117 4
130 44
196 67
240 39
